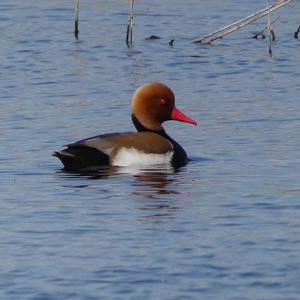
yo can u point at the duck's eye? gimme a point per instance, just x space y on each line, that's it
163 101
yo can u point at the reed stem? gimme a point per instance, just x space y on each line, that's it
220 33
76 21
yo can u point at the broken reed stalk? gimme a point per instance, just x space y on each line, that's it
234 29
130 25
297 33
229 26
270 29
262 31
242 22
231 30
76 30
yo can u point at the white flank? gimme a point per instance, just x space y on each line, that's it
131 157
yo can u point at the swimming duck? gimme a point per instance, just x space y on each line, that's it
152 104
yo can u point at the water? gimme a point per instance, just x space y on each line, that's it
226 226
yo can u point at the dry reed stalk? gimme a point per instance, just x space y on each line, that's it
297 33
130 25
270 29
242 22
259 33
76 30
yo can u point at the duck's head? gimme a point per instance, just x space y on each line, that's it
152 104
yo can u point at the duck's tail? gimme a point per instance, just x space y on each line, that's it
81 158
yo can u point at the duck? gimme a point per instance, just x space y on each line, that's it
152 104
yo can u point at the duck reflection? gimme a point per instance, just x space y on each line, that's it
151 184
155 196
153 191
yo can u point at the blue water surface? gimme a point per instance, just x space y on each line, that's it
225 226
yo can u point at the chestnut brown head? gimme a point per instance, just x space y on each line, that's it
153 103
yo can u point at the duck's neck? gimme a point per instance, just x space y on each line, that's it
180 157
139 127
